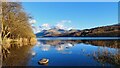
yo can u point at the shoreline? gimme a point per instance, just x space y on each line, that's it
78 38
7 44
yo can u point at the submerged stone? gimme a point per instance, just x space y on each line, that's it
43 61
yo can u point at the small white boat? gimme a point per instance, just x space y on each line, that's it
44 61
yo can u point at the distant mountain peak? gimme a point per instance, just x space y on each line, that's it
110 30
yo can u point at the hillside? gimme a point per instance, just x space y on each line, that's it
103 31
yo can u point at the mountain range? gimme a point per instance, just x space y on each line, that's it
103 31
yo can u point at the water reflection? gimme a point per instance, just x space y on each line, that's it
107 50
58 45
65 53
108 56
63 44
18 55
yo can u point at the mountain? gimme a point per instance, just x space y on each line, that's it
51 32
103 31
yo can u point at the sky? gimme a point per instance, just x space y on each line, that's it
62 0
68 15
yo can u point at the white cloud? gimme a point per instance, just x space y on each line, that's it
60 26
70 28
35 29
66 21
32 21
62 23
45 25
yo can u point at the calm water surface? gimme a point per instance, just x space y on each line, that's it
66 52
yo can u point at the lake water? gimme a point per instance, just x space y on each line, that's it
67 52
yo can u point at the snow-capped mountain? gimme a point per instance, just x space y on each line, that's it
54 31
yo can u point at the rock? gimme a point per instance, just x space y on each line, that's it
43 61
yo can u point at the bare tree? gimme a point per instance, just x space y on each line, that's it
0 34
15 21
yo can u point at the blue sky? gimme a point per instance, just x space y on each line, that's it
80 15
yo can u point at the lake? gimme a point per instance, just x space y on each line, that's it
65 51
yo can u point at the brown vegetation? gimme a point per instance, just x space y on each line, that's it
15 26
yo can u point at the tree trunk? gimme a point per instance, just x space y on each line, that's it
1 34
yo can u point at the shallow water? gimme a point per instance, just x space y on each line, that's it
66 52
79 38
